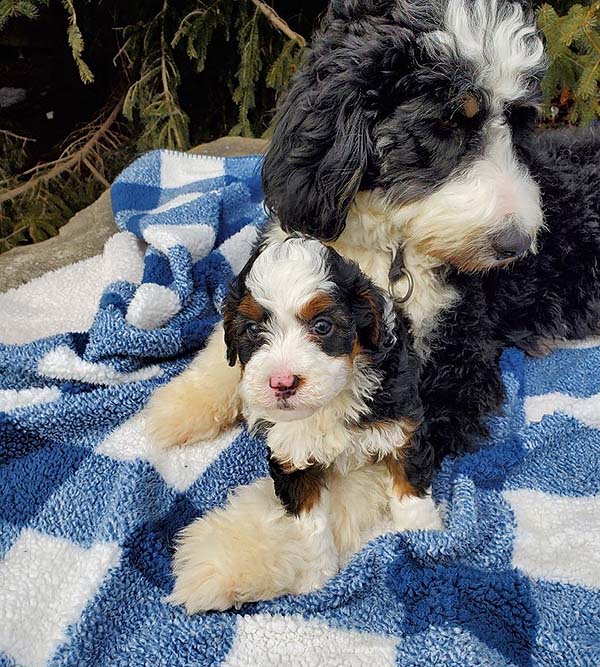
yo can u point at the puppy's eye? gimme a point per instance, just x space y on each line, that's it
322 327
252 330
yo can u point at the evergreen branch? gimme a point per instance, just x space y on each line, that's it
14 8
64 164
279 23
75 40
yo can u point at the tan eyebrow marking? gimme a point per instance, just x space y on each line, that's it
249 307
317 304
470 106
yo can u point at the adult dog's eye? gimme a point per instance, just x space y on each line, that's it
448 128
322 327
449 124
252 330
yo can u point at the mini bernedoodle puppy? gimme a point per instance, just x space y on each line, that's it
330 378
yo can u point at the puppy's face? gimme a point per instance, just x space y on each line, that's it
297 319
431 104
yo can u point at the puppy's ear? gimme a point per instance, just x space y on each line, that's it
230 306
374 317
372 309
237 291
322 146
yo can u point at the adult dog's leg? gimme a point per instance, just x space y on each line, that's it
409 510
200 402
251 549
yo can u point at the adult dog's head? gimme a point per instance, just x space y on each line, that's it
430 105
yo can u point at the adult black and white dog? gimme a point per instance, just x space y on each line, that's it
408 142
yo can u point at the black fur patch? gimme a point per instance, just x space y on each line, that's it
298 490
239 344
365 304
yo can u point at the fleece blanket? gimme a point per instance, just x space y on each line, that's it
89 507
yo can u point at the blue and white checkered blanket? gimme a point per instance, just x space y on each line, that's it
89 507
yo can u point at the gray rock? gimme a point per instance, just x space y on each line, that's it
86 233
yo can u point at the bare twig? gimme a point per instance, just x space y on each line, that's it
16 231
279 23
7 133
62 165
95 173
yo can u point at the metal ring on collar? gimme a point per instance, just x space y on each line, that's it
411 285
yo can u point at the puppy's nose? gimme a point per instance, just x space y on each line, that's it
512 242
284 385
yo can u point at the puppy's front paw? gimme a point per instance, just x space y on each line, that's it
184 411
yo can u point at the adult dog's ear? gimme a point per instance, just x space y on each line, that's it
322 145
318 156
237 291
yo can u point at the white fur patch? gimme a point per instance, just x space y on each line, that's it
412 513
495 36
289 351
285 276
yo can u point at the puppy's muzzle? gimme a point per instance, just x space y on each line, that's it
284 385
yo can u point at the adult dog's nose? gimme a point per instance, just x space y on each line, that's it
511 243
284 385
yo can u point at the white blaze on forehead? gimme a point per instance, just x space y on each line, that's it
498 38
286 275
